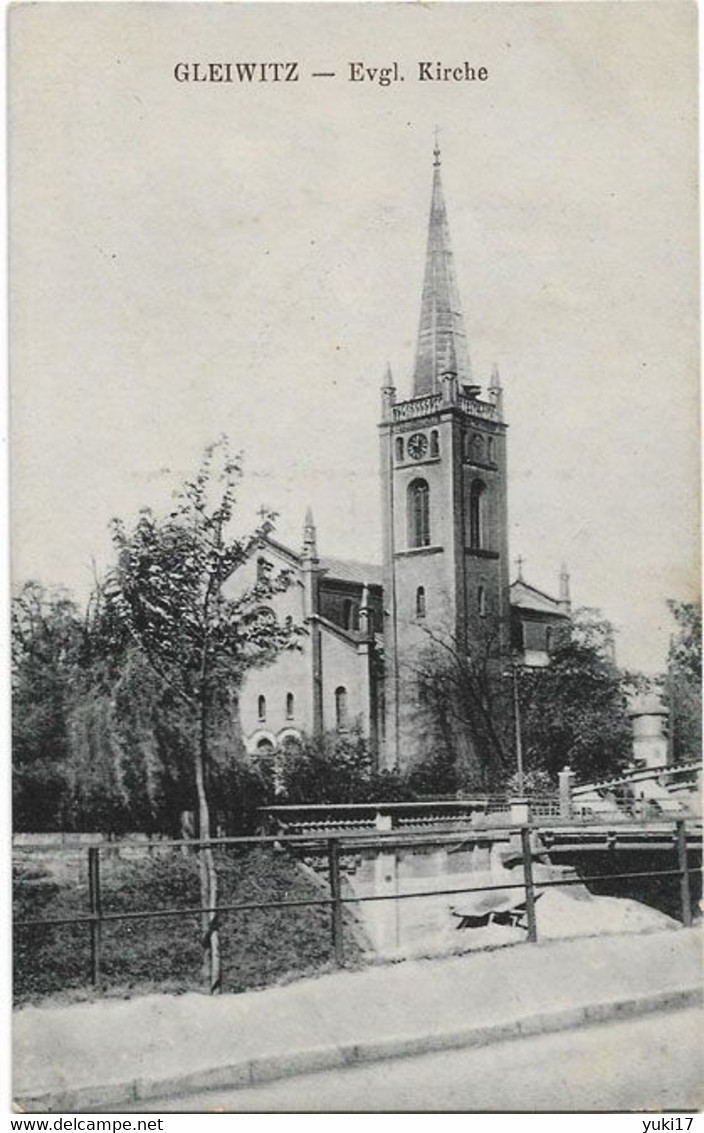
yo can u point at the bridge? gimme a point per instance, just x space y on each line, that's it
629 837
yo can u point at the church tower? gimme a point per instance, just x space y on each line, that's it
445 526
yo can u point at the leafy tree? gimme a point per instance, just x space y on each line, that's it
574 711
167 593
47 642
684 682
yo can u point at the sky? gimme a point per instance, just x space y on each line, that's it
191 258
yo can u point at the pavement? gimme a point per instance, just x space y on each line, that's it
112 1053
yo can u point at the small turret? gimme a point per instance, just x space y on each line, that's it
310 538
388 395
365 614
496 392
565 600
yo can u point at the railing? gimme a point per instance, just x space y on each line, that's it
477 408
417 407
432 402
333 849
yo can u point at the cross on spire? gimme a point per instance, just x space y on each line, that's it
519 566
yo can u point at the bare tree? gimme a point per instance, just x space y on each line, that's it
463 703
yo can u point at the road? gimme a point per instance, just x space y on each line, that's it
653 1062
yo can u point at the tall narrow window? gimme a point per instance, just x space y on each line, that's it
434 443
261 709
420 602
341 708
418 514
477 518
350 614
490 450
481 601
290 705
399 449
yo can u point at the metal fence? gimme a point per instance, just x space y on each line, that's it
333 848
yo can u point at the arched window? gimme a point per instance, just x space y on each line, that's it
265 746
490 450
290 705
478 447
261 708
420 602
350 614
418 514
481 601
477 518
399 449
434 443
340 708
263 568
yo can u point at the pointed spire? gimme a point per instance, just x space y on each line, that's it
441 334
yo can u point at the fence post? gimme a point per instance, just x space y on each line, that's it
682 864
530 890
96 911
336 894
566 781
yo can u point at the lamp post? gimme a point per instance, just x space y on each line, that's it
517 733
517 727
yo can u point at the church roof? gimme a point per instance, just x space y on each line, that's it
344 570
442 341
526 597
349 570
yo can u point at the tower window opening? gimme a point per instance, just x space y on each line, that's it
350 614
490 450
341 708
434 443
481 601
477 514
418 514
290 705
420 602
399 449
261 709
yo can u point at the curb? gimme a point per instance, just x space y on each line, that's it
269 1068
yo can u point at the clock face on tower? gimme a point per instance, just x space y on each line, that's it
417 446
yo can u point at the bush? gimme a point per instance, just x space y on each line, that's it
336 769
259 947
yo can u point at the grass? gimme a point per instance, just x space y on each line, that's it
259 948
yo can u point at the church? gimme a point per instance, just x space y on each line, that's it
444 570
